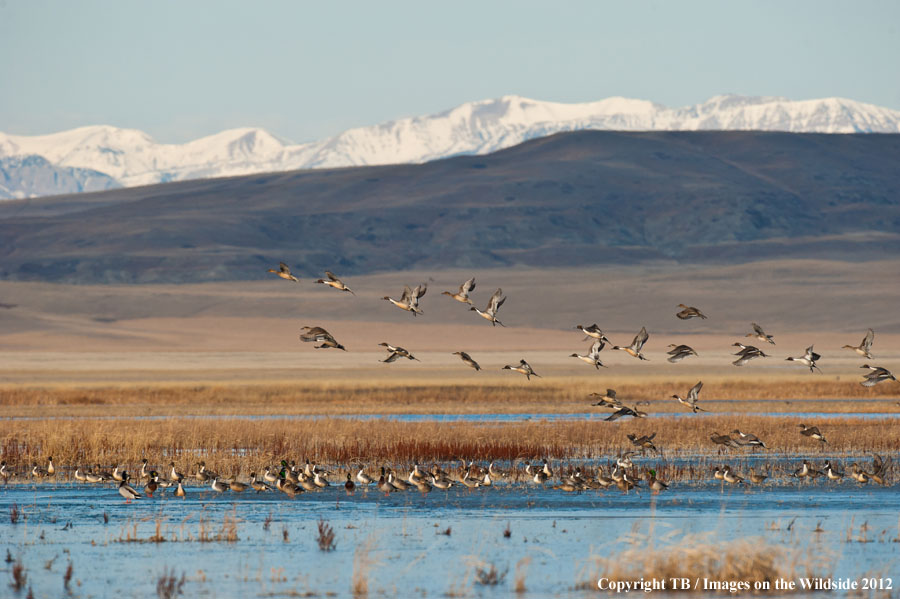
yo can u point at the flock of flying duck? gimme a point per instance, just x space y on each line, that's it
409 301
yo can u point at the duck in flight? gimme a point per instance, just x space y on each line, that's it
464 290
677 353
808 359
747 353
493 306
467 359
284 271
593 331
335 282
395 351
812 432
523 368
607 400
865 348
593 355
625 411
316 334
876 375
692 397
759 333
689 312
636 345
409 301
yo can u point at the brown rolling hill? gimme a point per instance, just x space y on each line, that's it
576 200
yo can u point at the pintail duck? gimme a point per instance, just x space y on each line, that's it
284 271
757 479
496 473
315 334
523 368
441 483
409 301
175 475
747 353
692 397
269 476
593 331
145 473
656 484
93 478
803 471
636 345
464 290
876 375
395 351
593 355
467 359
319 480
237 486
723 441
831 473
493 306
677 353
731 477
644 441
607 400
51 470
7 474
126 490
747 439
760 334
116 475
624 461
385 486
363 478
865 348
335 282
808 359
38 472
812 432
625 411
258 485
217 486
179 491
78 474
689 312
718 474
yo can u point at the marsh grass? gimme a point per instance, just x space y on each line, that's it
487 574
363 563
19 575
325 536
745 394
168 585
699 557
242 445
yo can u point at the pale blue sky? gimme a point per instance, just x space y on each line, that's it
306 70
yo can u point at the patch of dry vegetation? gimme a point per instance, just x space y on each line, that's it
237 446
438 397
705 562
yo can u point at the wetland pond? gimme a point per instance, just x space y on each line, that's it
441 544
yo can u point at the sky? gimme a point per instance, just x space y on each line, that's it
304 71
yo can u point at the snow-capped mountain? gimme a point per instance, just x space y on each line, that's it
33 176
132 157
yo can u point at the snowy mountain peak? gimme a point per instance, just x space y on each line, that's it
132 157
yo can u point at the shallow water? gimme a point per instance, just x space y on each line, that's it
399 536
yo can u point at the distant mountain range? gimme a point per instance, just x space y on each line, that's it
568 200
109 156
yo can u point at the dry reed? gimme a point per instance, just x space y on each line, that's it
707 564
325 536
240 446
440 397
